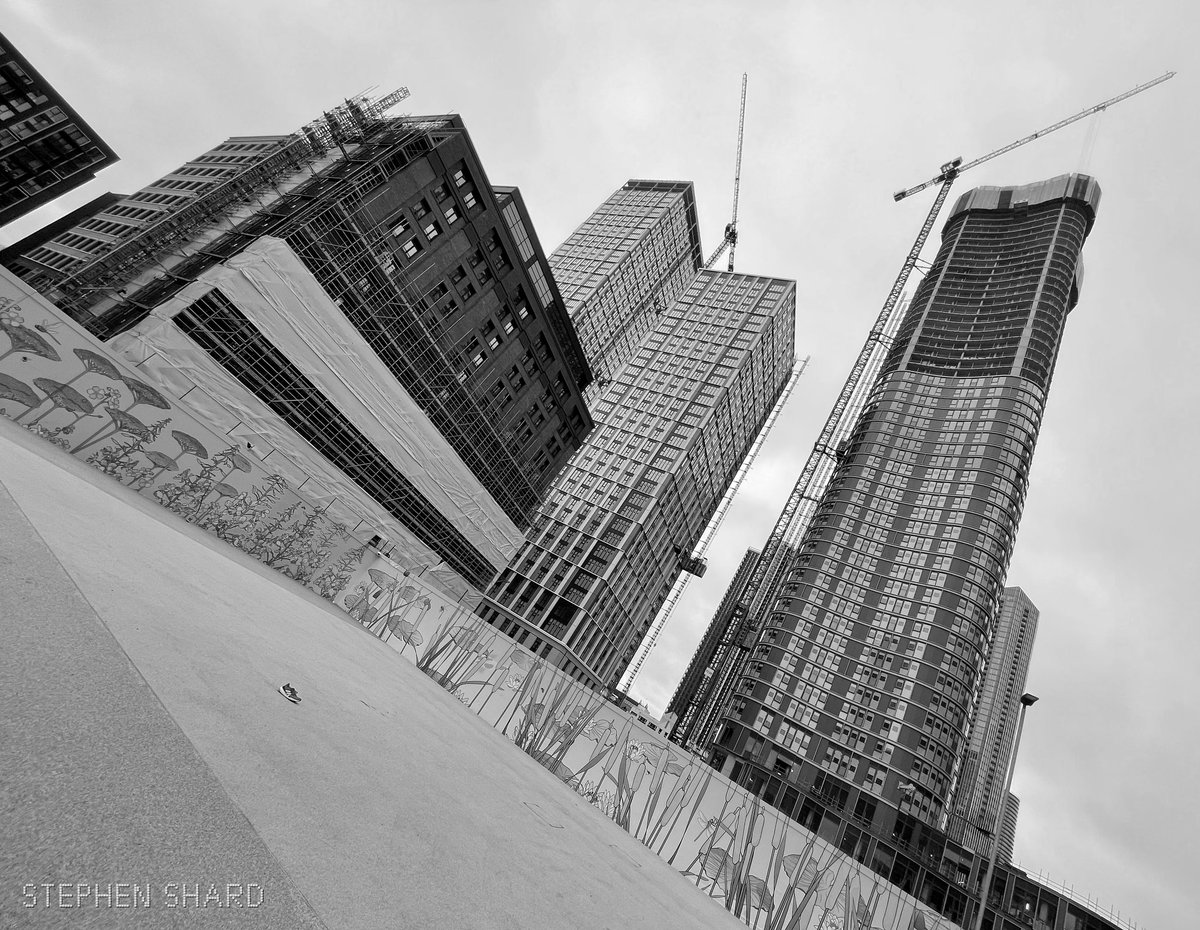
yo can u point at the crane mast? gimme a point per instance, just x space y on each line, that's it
819 469
729 239
714 524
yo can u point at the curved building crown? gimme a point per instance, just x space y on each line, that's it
1007 274
1081 187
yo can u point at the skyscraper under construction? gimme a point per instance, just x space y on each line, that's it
358 303
850 710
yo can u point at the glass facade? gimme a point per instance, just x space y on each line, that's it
45 148
852 710
633 257
671 430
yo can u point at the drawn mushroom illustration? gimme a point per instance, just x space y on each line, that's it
188 445
27 342
225 490
93 363
142 394
64 396
22 393
161 461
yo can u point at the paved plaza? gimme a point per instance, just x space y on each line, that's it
148 754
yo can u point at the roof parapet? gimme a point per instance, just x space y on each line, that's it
1080 187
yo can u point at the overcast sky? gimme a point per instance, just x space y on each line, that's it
848 102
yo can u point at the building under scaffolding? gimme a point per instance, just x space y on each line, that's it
311 269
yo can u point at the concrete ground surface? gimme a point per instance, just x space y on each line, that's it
143 741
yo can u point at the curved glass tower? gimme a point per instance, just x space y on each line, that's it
852 710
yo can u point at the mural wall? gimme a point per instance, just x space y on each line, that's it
61 384
762 866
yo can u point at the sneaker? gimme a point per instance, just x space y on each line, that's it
290 693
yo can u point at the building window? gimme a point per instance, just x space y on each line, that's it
440 192
412 247
460 177
400 226
420 208
432 231
451 214
490 334
469 199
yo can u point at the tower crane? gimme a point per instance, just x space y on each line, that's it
664 613
729 240
819 469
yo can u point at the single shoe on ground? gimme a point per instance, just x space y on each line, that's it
290 693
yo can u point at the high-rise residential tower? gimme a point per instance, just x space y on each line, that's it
623 518
46 149
978 794
635 255
852 709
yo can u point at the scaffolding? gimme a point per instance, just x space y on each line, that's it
350 122
323 212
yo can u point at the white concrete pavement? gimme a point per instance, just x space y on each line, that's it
378 801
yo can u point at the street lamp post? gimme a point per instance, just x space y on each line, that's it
1027 701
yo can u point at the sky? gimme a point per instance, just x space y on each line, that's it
847 103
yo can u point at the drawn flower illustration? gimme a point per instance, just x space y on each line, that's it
11 316
601 731
104 396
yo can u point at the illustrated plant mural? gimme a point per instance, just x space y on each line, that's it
760 865
123 459
24 341
334 579
358 604
123 420
62 396
93 363
56 378
13 390
188 445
